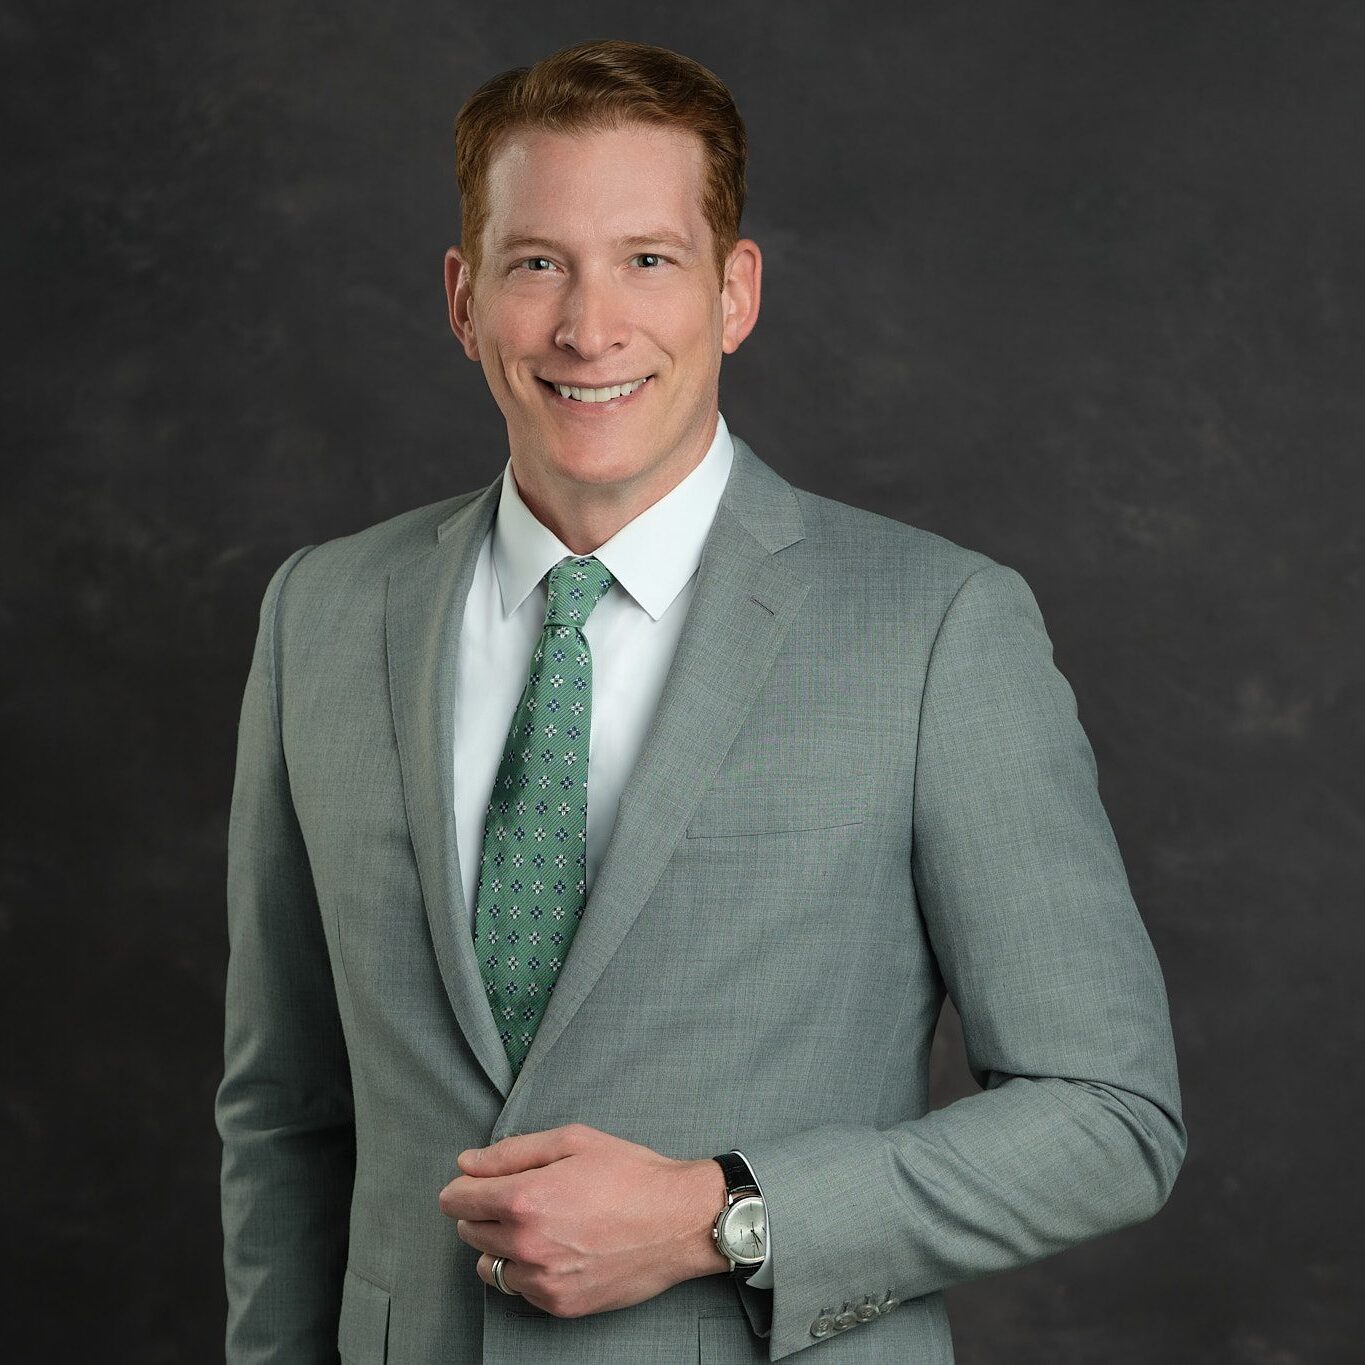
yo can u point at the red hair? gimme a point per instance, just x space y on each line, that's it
593 87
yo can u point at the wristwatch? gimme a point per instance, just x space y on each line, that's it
740 1231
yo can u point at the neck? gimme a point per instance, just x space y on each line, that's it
586 515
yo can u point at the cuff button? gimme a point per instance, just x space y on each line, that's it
823 1326
867 1310
845 1319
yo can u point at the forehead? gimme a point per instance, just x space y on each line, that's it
609 181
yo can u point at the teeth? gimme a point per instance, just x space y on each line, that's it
598 395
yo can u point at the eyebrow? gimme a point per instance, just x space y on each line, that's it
659 237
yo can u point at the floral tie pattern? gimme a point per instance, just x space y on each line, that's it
533 873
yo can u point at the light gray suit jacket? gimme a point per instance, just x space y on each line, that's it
865 785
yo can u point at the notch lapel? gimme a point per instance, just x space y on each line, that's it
741 613
424 614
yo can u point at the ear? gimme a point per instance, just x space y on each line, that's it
739 293
458 285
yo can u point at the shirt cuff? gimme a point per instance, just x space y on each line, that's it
762 1278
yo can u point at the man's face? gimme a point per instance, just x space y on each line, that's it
597 271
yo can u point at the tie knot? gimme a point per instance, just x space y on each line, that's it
576 586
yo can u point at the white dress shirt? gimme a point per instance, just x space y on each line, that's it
632 634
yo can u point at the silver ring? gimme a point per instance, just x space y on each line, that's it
496 1271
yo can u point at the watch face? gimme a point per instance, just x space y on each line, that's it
743 1231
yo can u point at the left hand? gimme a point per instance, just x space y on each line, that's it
588 1222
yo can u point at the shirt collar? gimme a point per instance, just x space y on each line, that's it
651 557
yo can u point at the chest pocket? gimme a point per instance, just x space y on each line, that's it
738 812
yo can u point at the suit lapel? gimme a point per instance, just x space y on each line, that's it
742 609
424 615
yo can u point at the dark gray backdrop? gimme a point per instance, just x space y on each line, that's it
1078 285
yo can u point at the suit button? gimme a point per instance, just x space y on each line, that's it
823 1326
845 1319
887 1304
867 1310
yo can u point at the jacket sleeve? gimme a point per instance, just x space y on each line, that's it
1077 1130
283 1108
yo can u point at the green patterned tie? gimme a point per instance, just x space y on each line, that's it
533 876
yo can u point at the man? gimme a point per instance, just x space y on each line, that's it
604 841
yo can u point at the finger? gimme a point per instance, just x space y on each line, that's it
479 1199
494 1238
484 1267
522 1151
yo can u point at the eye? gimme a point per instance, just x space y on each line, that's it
536 261
647 256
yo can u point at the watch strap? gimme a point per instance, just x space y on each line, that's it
738 1177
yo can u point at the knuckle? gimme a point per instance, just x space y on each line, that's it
519 1207
531 1285
525 1208
558 1295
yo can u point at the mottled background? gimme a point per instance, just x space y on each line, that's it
1078 285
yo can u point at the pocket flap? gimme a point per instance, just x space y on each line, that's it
767 810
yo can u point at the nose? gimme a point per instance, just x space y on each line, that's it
593 321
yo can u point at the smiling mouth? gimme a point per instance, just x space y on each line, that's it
576 394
